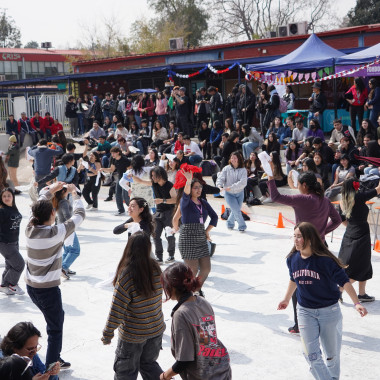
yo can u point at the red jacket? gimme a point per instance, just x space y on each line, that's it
149 108
358 100
178 146
49 121
42 123
55 128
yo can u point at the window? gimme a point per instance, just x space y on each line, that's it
41 67
7 67
28 67
1 67
67 67
60 67
14 66
35 67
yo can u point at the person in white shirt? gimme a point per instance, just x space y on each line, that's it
300 132
191 150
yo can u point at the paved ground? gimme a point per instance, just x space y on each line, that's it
248 279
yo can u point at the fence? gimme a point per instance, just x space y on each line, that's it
53 103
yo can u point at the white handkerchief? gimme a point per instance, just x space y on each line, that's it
264 157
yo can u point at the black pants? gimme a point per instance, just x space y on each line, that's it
90 188
185 125
251 183
212 148
163 219
356 111
263 185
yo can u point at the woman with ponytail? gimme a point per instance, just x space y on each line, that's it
309 206
198 352
136 310
355 250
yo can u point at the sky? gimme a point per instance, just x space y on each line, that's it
61 22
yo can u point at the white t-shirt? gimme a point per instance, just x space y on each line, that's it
193 147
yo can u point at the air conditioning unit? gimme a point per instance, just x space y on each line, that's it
46 45
282 31
297 28
176 43
270 34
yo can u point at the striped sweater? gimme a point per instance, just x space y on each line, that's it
44 246
138 318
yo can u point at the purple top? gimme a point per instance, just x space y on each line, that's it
317 133
293 156
192 214
309 208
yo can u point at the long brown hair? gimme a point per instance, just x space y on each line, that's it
137 262
318 248
58 196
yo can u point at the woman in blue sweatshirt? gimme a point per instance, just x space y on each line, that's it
315 272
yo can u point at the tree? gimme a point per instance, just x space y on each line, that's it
10 35
31 45
253 18
191 15
365 12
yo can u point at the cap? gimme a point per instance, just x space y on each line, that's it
13 138
317 85
182 89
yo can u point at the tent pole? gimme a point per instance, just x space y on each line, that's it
239 78
335 93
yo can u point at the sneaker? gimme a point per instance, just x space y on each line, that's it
267 200
65 275
120 213
294 329
93 209
366 298
108 199
88 207
71 272
17 192
159 261
6 290
15 289
170 260
64 365
261 199
242 231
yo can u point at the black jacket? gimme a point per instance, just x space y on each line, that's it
71 110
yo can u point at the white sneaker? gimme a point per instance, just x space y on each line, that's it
15 289
6 290
88 207
93 209
261 199
267 200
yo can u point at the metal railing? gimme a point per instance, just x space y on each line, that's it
6 108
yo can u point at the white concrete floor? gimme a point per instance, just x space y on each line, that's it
247 280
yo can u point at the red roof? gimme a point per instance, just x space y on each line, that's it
40 51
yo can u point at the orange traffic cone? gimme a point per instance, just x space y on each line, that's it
377 246
280 223
223 209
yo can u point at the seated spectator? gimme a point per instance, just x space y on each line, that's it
326 152
160 134
288 131
96 131
344 171
363 151
37 123
204 138
346 147
300 132
215 139
11 126
121 131
254 172
315 130
145 137
338 132
278 176
182 158
48 123
293 152
308 165
179 144
251 140
191 150
289 97
322 168
228 126
168 144
153 159
56 127
103 149
276 128
107 124
229 147
271 145
365 129
24 127
21 341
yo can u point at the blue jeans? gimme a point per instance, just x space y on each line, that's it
196 159
49 301
235 202
333 170
121 195
80 123
234 115
132 358
71 253
106 160
248 148
321 325
162 119
371 171
138 120
311 116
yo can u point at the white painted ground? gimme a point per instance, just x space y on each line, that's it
248 279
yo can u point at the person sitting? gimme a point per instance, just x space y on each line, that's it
96 132
293 152
346 147
153 158
288 131
182 158
48 123
338 132
159 133
300 132
168 144
322 169
315 130
366 128
251 141
56 127
229 147
363 151
344 171
191 150
215 138
308 165
25 127
103 149
204 138
271 145
254 172
327 153
276 128
121 131
38 124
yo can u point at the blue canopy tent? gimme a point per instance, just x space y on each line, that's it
363 56
142 90
313 54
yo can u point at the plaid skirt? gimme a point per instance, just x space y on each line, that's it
192 241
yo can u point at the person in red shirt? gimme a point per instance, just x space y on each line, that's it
57 126
48 122
359 94
38 124
179 144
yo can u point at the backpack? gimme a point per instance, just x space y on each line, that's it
283 105
208 168
227 214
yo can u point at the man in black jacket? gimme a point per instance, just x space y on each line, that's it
71 114
216 104
318 104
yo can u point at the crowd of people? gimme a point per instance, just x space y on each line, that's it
145 151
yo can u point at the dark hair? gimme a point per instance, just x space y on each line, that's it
178 278
42 142
230 123
359 84
119 125
240 158
58 196
137 163
159 172
290 89
362 132
17 337
318 247
13 368
276 163
313 186
309 162
62 140
67 157
145 121
289 151
337 121
145 215
97 156
233 136
316 123
70 146
41 212
217 124
116 149
246 129
9 190
137 263
317 140
156 157
271 88
186 137
345 157
157 122
225 135
298 120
